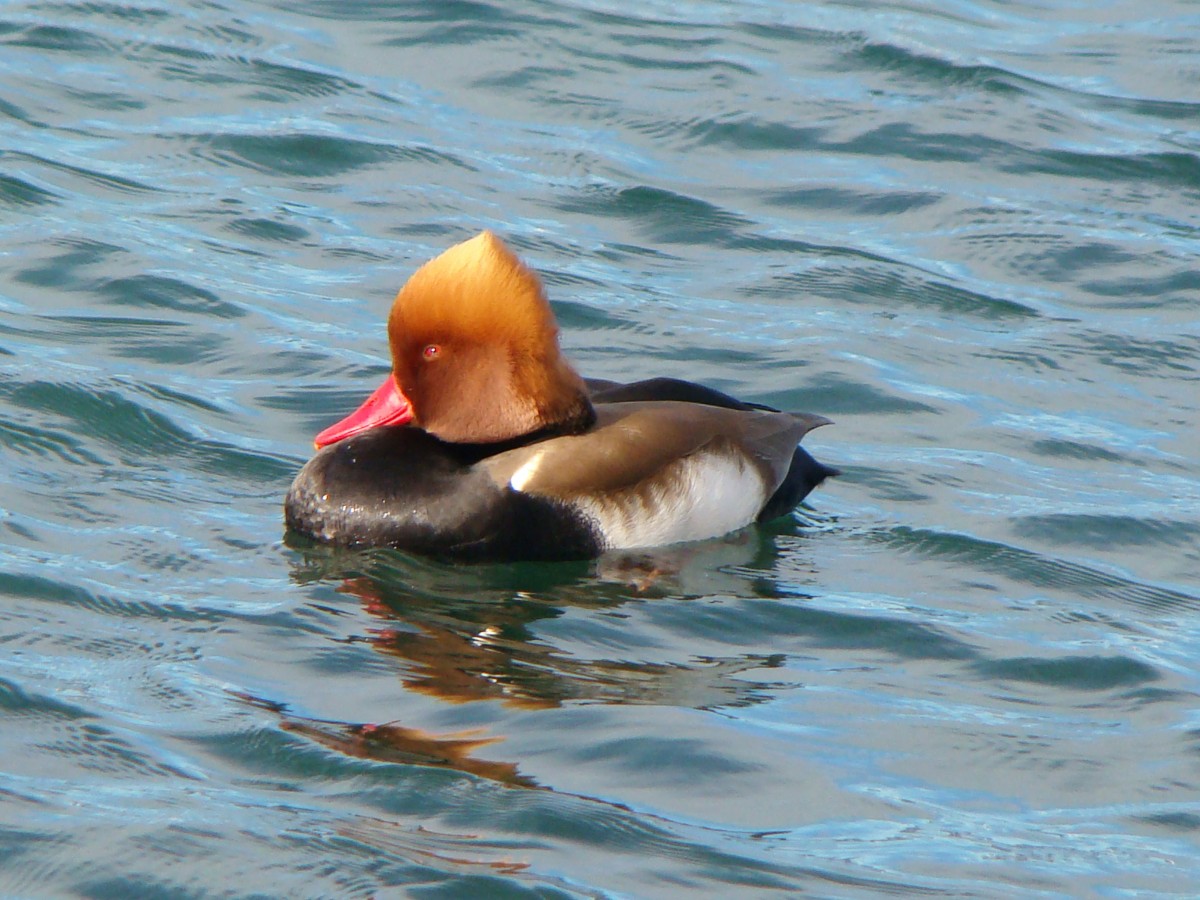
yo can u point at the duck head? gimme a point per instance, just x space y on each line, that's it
475 354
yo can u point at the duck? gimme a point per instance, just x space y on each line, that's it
484 442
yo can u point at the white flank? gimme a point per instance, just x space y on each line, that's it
521 477
706 495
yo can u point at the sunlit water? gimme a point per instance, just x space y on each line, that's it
967 232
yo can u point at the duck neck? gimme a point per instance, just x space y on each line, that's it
564 406
470 453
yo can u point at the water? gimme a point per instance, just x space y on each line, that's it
967 232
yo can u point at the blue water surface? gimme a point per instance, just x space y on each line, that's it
965 231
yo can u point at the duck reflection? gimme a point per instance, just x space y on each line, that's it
499 661
467 633
412 746
394 743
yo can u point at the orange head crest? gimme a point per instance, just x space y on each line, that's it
475 347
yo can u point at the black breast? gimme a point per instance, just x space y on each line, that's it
403 488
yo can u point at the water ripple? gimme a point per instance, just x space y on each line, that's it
1038 570
967 232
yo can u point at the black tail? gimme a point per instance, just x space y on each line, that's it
803 475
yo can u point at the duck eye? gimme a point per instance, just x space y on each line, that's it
431 351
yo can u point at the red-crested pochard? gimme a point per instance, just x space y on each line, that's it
484 442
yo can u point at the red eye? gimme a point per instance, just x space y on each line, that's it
431 351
